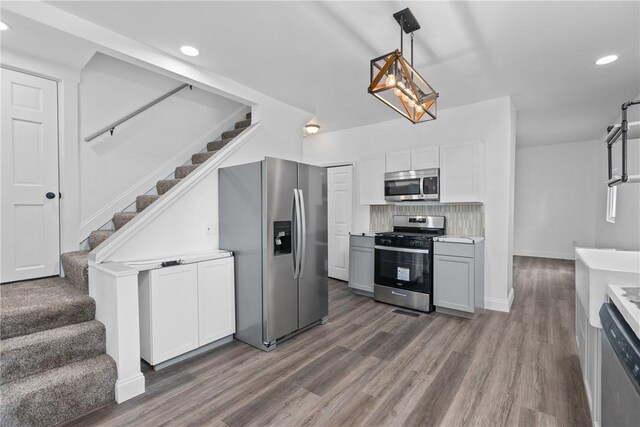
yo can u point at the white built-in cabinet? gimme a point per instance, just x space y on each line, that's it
460 171
185 307
398 161
425 158
460 177
371 180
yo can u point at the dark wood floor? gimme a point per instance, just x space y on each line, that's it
370 365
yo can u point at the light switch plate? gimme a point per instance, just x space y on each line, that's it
211 229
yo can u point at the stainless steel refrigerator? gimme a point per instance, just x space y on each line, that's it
273 216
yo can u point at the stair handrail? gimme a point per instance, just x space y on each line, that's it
129 116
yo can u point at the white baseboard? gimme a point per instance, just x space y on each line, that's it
104 215
129 388
499 304
544 254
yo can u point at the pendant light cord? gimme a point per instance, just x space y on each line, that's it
412 49
401 35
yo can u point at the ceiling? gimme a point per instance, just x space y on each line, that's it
315 55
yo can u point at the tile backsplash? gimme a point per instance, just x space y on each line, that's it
462 220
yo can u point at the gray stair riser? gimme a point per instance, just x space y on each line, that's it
243 124
218 145
143 202
232 133
78 310
183 171
59 394
120 219
99 236
35 353
165 185
76 269
202 157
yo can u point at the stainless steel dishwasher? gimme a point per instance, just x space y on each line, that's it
620 372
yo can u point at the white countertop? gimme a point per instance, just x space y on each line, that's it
469 240
596 269
620 296
610 259
365 233
151 264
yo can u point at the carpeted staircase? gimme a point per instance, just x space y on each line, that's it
53 361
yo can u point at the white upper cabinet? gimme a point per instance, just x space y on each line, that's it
371 180
425 158
460 173
398 161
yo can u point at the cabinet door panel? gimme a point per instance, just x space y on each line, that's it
460 173
361 269
398 161
216 300
454 283
371 180
174 311
425 158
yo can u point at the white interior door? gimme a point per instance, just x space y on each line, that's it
29 158
340 201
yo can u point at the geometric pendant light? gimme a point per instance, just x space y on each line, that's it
394 81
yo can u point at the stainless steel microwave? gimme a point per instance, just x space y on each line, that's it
412 186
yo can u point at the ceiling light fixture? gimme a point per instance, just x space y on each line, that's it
311 128
606 59
395 82
3 26
189 51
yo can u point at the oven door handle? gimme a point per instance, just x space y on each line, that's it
395 249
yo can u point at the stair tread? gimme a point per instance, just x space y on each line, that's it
243 124
232 133
143 202
120 219
183 171
32 306
98 236
218 144
202 157
59 394
165 185
31 354
76 269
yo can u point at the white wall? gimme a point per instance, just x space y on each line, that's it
116 168
555 199
490 122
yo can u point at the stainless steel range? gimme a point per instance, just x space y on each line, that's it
404 259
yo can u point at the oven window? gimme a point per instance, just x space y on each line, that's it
402 187
403 270
430 185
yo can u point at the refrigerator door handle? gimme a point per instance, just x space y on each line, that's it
303 234
297 228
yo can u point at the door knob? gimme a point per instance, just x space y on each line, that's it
51 195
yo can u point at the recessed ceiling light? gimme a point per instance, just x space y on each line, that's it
3 26
189 51
312 129
606 59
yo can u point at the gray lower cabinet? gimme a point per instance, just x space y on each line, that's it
361 263
458 277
